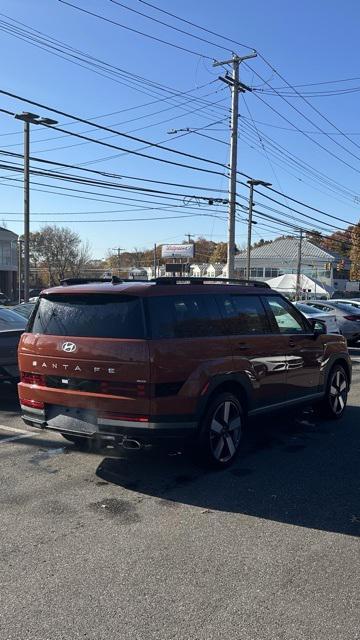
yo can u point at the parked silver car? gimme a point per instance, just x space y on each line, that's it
329 318
348 317
12 326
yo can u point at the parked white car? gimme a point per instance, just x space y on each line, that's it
347 316
310 312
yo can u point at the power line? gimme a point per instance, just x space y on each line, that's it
307 135
109 129
311 122
285 156
142 33
149 115
314 109
218 35
140 13
91 63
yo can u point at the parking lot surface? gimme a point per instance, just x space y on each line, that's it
145 545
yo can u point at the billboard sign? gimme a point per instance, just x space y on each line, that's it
177 251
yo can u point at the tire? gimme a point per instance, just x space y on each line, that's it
79 441
334 402
221 430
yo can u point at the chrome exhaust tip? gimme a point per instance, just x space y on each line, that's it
131 444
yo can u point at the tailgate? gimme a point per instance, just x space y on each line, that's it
90 373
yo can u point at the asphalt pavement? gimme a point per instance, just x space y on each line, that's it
146 545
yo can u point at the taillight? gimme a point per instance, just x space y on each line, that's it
111 415
352 318
127 389
33 378
34 404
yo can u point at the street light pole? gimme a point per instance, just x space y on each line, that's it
28 118
251 183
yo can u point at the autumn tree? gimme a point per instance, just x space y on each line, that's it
58 252
220 253
355 253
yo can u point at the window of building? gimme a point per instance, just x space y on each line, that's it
271 273
257 272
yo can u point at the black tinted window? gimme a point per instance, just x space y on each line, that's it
96 316
184 316
243 315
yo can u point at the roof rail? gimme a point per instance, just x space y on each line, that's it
193 280
71 281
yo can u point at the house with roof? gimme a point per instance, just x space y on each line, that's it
8 262
279 257
214 270
198 270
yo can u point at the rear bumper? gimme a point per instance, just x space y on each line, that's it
109 429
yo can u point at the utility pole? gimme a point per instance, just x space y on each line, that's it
298 270
28 118
118 250
189 236
20 270
235 86
155 261
253 183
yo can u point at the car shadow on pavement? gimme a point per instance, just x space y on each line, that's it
292 469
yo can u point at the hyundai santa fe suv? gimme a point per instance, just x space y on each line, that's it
138 361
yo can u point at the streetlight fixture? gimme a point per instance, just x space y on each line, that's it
28 118
253 183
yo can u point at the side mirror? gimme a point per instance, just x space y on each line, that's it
318 327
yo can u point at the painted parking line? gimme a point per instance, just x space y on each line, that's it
13 429
21 433
12 438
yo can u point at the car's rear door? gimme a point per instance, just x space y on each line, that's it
258 351
304 351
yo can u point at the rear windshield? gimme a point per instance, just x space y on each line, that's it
305 308
93 316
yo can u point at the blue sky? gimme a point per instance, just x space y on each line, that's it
307 42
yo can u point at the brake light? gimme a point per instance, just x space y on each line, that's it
133 390
34 404
352 318
111 415
33 378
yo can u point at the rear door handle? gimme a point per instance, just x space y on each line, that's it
292 343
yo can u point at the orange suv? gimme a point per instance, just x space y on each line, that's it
132 362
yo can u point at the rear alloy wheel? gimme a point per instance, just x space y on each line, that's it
334 403
221 431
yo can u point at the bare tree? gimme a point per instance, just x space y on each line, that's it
59 251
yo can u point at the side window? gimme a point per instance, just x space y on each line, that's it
287 318
322 307
243 315
184 316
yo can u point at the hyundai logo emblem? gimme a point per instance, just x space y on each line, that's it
69 347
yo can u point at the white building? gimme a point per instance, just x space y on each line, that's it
281 256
